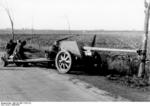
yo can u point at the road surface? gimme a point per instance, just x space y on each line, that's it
41 84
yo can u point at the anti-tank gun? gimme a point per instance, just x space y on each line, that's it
65 54
72 54
55 47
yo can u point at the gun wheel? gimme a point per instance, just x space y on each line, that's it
63 62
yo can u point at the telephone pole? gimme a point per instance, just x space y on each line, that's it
142 70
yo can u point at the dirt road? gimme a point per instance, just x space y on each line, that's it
41 84
36 84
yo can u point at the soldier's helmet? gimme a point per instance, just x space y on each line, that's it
55 43
10 41
18 41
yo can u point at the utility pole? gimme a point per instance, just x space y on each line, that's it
145 40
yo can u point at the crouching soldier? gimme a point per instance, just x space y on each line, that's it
10 48
9 51
19 53
53 50
19 50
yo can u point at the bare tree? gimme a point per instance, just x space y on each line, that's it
10 17
11 21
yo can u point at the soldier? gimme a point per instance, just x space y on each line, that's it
19 50
16 51
53 50
22 50
10 48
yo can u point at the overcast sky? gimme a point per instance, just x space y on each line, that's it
78 14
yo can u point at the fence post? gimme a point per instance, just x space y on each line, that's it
141 70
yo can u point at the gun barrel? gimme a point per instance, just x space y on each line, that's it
66 38
109 49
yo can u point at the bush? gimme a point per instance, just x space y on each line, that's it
120 64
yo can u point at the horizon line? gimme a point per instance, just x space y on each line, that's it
23 29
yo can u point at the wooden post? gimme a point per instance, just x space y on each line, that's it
144 47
